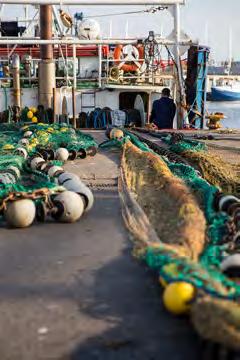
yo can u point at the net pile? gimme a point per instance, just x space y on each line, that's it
43 135
16 174
213 168
193 254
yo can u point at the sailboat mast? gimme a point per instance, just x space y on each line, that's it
230 50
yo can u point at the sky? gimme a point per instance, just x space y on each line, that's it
209 21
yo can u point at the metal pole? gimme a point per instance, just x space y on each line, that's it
26 14
23 41
46 31
74 107
55 14
94 2
149 107
1 9
16 81
180 96
110 29
54 105
46 65
99 66
74 67
74 87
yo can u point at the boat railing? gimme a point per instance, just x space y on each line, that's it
100 72
158 73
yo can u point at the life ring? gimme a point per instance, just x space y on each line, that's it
127 57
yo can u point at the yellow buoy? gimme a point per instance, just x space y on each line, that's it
34 119
116 134
34 110
8 147
30 114
64 129
178 296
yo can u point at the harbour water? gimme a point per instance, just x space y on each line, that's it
231 111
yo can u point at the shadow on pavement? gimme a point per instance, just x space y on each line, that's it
130 300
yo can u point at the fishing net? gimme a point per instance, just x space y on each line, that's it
179 242
179 221
213 168
16 176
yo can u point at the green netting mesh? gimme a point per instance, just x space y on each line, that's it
205 274
184 145
43 136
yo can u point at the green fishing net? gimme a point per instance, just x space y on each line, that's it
205 274
15 173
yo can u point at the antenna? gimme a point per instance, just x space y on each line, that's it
230 45
206 34
126 29
110 29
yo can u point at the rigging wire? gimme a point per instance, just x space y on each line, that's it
151 10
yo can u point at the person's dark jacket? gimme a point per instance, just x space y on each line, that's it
163 113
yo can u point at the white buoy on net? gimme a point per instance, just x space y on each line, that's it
231 262
21 151
35 162
53 170
16 170
80 188
23 142
62 154
70 207
66 176
20 213
28 134
7 178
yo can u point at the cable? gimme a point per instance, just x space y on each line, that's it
152 10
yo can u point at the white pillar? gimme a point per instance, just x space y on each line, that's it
180 96
126 29
74 67
99 66
110 29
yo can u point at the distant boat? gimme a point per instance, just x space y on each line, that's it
227 89
228 92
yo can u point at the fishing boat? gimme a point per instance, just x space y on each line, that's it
227 89
228 92
86 182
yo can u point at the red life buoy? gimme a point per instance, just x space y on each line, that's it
132 62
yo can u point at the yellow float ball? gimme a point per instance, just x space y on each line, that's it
30 114
178 296
116 134
8 147
34 110
34 119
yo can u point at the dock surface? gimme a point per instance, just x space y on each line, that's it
74 292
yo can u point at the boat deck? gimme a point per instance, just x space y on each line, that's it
75 292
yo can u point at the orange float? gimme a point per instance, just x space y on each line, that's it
130 63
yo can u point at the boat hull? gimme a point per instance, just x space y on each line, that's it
219 94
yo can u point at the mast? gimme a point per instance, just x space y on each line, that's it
47 64
230 50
